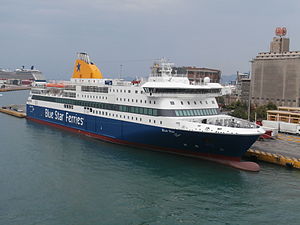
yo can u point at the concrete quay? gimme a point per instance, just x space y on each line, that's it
14 88
283 151
14 110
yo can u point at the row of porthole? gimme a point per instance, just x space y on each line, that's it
188 102
128 91
92 96
97 112
136 100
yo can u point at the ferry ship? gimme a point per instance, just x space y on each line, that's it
166 112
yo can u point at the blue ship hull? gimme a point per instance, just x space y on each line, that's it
203 145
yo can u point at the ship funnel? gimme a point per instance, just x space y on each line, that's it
85 69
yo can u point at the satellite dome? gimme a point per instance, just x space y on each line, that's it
206 80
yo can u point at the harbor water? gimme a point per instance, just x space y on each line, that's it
51 176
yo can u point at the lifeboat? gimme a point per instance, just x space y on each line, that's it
57 85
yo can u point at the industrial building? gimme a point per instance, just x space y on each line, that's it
276 74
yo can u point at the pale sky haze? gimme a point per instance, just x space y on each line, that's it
221 34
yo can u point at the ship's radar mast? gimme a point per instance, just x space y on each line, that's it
162 68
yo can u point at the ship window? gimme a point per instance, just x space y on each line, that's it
172 103
213 102
145 101
176 113
136 92
136 110
132 100
188 102
128 91
181 102
149 111
136 100
206 102
200 102
195 102
154 112
153 121
149 121
141 101
140 119
145 111
153 102
141 110
160 122
184 112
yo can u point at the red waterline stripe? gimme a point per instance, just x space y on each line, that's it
211 157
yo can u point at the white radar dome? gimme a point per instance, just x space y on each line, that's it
206 80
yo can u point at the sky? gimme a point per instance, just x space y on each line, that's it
219 34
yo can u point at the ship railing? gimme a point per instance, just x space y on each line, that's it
231 122
226 121
169 75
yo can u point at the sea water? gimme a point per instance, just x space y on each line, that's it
51 176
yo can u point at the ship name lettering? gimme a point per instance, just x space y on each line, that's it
59 116
48 114
74 119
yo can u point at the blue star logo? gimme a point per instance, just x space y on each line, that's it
78 67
